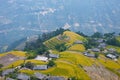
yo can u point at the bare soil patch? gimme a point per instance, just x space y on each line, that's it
100 73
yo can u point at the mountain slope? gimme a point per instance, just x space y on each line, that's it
68 37
72 63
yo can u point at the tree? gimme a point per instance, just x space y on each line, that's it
1 65
96 55
33 78
1 72
51 63
29 65
97 35
113 41
61 47
109 35
31 55
82 34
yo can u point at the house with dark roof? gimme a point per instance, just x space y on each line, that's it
100 40
78 42
56 78
53 55
102 45
8 71
111 50
40 76
96 50
9 79
89 54
23 77
40 67
112 56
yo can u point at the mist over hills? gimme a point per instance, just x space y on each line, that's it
22 18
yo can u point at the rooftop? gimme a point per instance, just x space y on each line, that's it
39 75
7 71
40 67
54 55
56 78
23 77
42 58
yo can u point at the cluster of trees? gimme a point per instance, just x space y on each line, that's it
51 63
61 47
90 43
38 46
109 38
113 41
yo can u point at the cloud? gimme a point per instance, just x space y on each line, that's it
76 24
4 20
66 26
47 10
94 29
44 31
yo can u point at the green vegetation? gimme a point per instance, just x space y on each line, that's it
1 65
29 65
71 62
115 47
96 55
51 63
97 35
61 47
64 41
90 43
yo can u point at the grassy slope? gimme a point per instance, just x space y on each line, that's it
118 38
19 62
77 47
16 53
117 48
73 37
110 64
70 62
55 41
68 65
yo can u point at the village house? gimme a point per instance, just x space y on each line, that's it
56 78
40 67
111 50
105 51
96 50
53 55
102 45
23 77
9 79
41 58
100 40
6 72
40 76
89 54
112 56
78 42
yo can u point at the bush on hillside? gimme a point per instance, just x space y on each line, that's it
51 63
61 47
29 65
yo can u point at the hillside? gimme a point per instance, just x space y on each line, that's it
71 63
68 37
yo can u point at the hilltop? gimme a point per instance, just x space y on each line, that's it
68 38
67 55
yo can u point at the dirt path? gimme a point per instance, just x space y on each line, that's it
100 73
